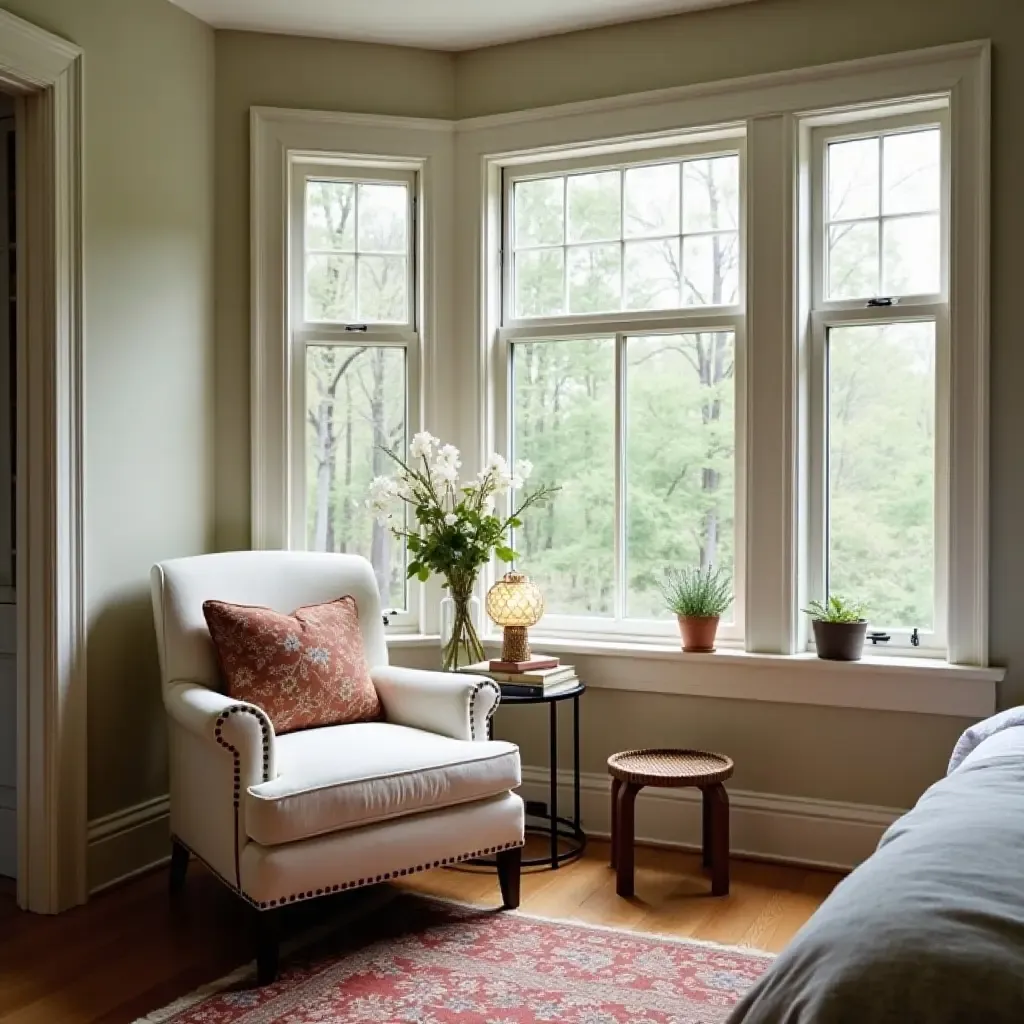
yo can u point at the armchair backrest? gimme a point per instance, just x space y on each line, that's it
282 580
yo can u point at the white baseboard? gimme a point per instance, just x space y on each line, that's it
789 829
128 842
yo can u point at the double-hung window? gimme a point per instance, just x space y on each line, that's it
354 349
622 331
880 372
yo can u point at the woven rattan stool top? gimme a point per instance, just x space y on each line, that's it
670 767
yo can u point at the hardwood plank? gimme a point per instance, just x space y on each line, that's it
132 950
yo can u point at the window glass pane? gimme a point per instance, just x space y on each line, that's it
595 206
710 270
652 274
853 179
330 288
383 284
680 460
539 212
355 403
330 215
911 172
910 255
652 201
539 282
852 260
881 471
595 278
383 218
563 421
711 194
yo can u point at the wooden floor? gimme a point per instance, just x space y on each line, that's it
130 951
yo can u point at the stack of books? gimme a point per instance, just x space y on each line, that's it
534 682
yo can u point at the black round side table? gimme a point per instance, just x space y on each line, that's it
558 828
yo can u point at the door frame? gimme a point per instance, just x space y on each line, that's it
44 73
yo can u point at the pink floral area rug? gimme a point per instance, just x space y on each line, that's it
425 961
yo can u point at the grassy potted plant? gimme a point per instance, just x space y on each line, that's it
698 597
839 628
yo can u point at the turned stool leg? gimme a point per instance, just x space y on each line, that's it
624 828
716 814
616 786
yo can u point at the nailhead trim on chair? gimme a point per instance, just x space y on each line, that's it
260 717
242 709
359 883
328 890
490 684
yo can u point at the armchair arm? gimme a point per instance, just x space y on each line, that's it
448 703
240 727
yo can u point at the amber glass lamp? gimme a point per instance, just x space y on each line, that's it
515 604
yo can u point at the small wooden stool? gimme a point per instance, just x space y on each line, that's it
634 769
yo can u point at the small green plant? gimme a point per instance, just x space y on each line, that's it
697 593
835 609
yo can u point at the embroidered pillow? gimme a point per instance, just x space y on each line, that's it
304 670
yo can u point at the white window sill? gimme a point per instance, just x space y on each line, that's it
881 683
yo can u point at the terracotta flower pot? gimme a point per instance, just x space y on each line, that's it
839 641
698 632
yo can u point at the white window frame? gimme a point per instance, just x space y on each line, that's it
779 111
305 333
828 313
285 144
620 326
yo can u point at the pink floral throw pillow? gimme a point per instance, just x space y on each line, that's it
305 670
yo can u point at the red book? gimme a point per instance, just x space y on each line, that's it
534 665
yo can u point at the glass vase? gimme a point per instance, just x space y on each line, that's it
461 621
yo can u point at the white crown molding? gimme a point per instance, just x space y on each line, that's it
784 829
46 72
769 82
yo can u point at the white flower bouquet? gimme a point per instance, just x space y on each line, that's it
458 529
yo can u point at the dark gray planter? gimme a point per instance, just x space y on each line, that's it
839 641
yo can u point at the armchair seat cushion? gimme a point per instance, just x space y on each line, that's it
346 776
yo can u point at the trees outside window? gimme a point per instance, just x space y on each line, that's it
879 326
636 424
354 336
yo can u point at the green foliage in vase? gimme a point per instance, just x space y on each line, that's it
697 592
458 528
835 609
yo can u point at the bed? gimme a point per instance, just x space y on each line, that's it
931 927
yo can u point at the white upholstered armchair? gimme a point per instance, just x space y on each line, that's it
287 818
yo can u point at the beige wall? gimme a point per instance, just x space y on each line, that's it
148 162
828 753
311 74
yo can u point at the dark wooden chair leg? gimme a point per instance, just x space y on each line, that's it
616 786
268 945
510 864
624 825
719 801
179 866
707 807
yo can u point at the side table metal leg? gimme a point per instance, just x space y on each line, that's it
719 800
576 760
553 761
624 835
616 786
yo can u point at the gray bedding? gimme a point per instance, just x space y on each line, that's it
930 928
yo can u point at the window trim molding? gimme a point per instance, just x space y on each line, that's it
280 137
775 108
